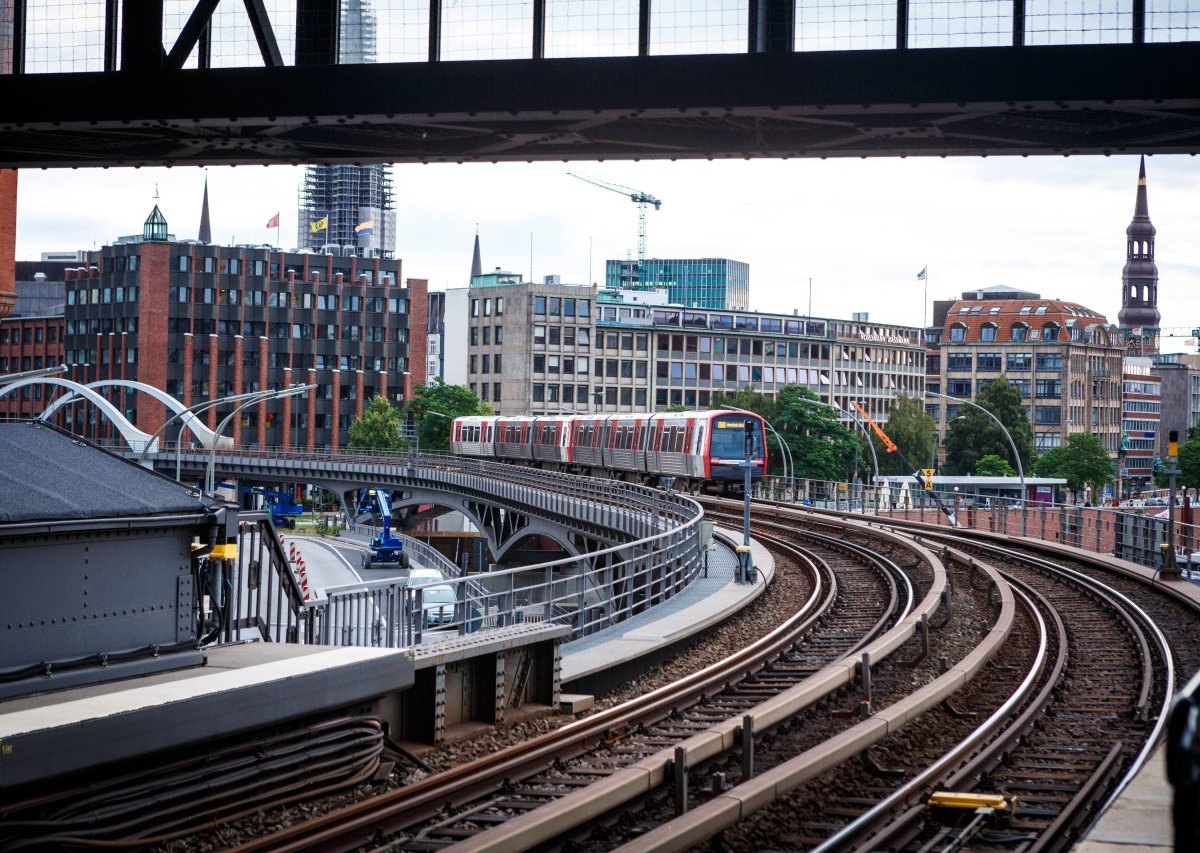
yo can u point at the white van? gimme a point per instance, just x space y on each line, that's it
437 598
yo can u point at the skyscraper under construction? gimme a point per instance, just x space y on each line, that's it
345 209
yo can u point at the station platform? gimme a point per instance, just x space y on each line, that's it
240 688
601 661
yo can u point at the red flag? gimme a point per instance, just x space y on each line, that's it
273 222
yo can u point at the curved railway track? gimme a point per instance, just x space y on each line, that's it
830 732
830 626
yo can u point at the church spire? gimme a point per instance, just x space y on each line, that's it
476 263
205 235
1139 317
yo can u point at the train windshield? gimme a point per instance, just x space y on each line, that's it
729 437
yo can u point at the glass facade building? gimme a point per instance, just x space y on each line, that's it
717 283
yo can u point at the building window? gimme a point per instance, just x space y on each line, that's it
958 387
1020 332
539 306
988 362
1048 414
1018 362
958 333
474 307
987 332
958 361
539 335
487 307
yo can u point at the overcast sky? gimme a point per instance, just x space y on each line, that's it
861 230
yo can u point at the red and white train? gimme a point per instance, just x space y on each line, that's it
701 450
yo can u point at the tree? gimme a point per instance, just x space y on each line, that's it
823 448
433 407
1189 460
913 431
993 466
378 428
1082 460
973 434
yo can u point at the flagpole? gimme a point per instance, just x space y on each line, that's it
925 303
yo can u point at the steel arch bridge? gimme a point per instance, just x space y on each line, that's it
153 98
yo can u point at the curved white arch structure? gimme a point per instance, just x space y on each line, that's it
205 435
134 437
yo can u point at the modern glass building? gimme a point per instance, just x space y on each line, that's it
692 282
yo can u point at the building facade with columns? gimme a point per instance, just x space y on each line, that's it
203 322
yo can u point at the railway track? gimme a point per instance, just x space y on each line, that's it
831 732
622 751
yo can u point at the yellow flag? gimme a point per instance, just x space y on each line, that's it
320 225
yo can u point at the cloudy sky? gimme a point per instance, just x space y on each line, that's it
860 230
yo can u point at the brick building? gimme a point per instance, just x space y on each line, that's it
1064 359
31 336
203 322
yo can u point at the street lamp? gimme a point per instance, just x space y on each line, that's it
259 397
192 411
871 446
32 374
1012 444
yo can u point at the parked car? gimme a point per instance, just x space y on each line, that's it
437 597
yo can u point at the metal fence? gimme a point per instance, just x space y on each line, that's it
1133 531
660 555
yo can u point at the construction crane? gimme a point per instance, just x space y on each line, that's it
639 198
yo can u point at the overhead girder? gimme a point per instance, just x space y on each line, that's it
973 101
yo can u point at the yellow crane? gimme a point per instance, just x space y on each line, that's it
641 199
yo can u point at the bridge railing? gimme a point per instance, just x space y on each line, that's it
265 599
657 554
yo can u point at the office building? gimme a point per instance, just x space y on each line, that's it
204 322
717 283
31 336
1064 359
1141 423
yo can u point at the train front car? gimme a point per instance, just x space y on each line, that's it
729 434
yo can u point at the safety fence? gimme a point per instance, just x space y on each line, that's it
657 556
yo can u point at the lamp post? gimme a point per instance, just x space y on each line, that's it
871 446
414 444
1012 444
32 374
192 411
259 397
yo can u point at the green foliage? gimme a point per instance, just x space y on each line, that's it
433 408
912 429
1189 460
993 466
977 435
1082 460
677 407
378 428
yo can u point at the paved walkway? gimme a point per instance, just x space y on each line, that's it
706 602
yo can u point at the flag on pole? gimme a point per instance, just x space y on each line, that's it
921 274
273 222
365 228
321 224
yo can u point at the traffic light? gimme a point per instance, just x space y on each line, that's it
1173 444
